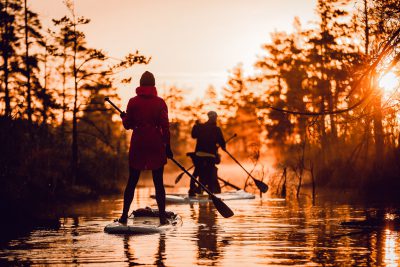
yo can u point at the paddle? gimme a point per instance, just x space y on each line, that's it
261 185
229 184
222 208
112 104
179 177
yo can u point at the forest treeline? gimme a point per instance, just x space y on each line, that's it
58 140
317 100
314 100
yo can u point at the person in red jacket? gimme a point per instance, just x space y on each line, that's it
147 116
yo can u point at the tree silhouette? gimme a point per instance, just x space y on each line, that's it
86 71
10 43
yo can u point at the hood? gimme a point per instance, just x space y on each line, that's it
146 91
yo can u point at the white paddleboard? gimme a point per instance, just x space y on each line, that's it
184 198
143 225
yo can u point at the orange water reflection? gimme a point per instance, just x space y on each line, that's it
391 248
262 233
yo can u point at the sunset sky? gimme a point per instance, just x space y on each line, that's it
192 43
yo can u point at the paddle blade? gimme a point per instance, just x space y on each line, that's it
222 208
179 177
261 185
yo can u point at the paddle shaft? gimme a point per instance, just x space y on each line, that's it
222 208
192 177
229 184
112 104
230 155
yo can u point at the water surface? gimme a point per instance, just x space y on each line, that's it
263 232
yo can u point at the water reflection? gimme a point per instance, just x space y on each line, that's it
262 233
207 233
160 255
75 233
132 243
391 240
130 258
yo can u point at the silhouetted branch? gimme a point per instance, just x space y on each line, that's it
388 46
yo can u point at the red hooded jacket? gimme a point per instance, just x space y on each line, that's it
147 116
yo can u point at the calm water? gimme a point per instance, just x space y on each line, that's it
263 232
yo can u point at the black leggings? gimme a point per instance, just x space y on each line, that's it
158 184
206 170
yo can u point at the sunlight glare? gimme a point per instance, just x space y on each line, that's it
391 240
389 82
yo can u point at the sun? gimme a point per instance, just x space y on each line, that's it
389 82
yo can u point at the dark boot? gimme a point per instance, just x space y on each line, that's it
193 191
123 219
163 219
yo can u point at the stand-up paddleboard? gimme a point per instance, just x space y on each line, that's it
184 198
144 221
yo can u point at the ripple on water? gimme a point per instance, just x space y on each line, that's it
266 232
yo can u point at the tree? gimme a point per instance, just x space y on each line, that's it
46 92
63 43
10 43
102 139
240 106
211 101
328 51
87 71
381 19
180 117
21 30
283 70
32 27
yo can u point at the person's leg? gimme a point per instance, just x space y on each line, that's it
215 179
160 193
129 192
193 187
209 171
202 172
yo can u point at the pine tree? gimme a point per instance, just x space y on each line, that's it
283 71
240 105
46 95
10 43
332 58
32 37
63 43
384 19
211 99
86 71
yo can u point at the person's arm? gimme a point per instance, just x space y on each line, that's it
221 139
195 130
127 119
164 123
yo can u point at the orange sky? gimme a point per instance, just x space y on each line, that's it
192 43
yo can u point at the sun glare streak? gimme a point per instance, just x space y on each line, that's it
389 82
391 258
